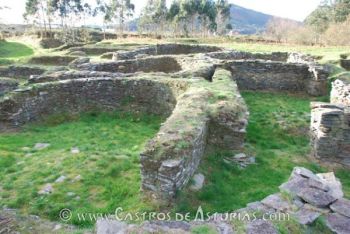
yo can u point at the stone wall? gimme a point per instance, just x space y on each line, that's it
165 64
330 125
345 63
7 85
20 71
52 60
172 157
82 95
277 76
239 55
340 93
330 132
165 49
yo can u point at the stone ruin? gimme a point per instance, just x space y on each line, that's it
330 125
302 199
195 87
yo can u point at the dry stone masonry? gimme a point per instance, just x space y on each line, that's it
330 125
305 197
196 88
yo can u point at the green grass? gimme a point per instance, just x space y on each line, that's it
108 163
278 137
14 50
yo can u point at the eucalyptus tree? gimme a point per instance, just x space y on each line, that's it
119 10
154 16
223 16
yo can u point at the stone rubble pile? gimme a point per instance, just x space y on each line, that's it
304 198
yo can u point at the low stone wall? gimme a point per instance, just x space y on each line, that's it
165 64
345 63
20 71
165 49
330 132
172 157
277 76
330 125
340 93
7 85
239 55
72 75
52 60
83 95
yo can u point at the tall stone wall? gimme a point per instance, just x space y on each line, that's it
87 94
277 76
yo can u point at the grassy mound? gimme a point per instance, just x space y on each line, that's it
107 165
14 50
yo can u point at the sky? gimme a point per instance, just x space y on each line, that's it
292 9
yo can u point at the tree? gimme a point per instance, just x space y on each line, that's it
40 12
120 10
223 16
154 16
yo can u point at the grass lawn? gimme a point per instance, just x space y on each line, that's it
10 51
108 164
278 137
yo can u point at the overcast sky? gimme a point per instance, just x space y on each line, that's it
293 9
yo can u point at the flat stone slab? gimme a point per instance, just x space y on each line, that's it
335 186
41 146
105 226
305 216
198 182
316 197
277 202
260 226
295 185
338 223
342 206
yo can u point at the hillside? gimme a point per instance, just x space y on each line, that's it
247 21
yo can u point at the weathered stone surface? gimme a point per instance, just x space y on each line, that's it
20 71
277 76
165 49
41 146
52 60
109 226
306 216
294 185
260 226
332 183
7 85
338 223
330 134
60 179
340 93
47 189
277 202
345 63
79 61
316 197
342 206
78 53
227 115
198 182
